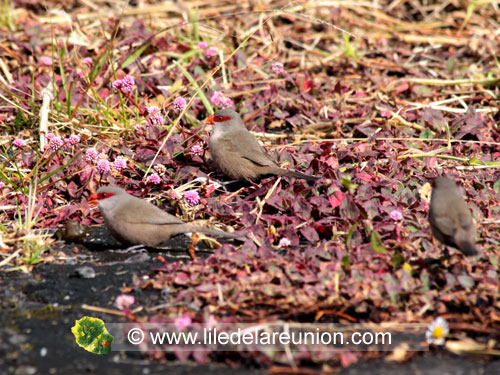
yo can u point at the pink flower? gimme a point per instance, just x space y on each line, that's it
277 68
87 61
45 61
179 104
123 301
227 102
396 215
386 114
192 197
1 185
117 85
124 85
284 242
155 118
49 136
217 98
182 322
18 143
56 143
119 164
91 154
202 45
127 84
80 74
73 139
103 166
197 150
154 178
211 52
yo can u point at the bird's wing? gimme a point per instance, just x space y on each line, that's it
246 145
446 225
465 218
139 211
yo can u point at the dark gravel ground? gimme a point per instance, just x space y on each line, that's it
38 310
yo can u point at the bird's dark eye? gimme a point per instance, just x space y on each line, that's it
219 118
104 195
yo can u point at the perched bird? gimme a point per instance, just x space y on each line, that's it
450 218
238 154
132 220
72 231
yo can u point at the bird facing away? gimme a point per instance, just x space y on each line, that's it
132 220
450 218
238 154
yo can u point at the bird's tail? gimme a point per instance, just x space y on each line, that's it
468 248
215 232
289 173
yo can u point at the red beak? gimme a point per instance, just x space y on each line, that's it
93 199
210 120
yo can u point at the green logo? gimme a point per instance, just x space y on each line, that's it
92 335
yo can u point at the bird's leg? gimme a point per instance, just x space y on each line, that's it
224 183
446 253
192 246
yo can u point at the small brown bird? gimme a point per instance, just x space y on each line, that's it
72 231
450 218
238 154
132 220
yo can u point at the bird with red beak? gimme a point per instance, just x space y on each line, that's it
134 221
238 154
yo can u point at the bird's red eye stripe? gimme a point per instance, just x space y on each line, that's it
99 197
104 195
221 118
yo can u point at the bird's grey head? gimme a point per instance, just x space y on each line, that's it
108 196
225 119
444 182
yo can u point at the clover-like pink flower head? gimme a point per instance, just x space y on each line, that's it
91 154
155 118
211 52
56 143
179 104
154 178
119 164
396 215
277 68
103 166
192 197
124 301
73 139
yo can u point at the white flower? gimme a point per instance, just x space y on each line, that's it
284 242
437 331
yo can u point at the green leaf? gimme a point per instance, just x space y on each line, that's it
346 182
199 92
349 236
91 334
377 244
134 56
346 261
496 187
426 134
